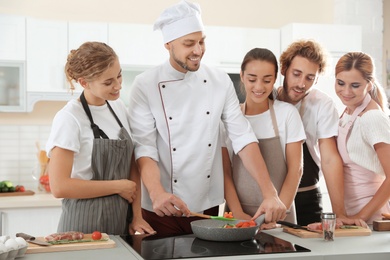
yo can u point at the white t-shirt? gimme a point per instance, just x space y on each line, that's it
289 125
71 130
320 120
288 120
371 128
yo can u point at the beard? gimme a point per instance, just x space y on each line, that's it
288 95
183 64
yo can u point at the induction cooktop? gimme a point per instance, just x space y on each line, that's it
188 246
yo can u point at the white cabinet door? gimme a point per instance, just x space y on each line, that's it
227 46
13 38
33 221
47 49
80 32
137 45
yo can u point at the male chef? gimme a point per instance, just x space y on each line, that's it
175 111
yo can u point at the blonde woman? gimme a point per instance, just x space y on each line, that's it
364 138
90 149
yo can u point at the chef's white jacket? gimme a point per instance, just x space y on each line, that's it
174 119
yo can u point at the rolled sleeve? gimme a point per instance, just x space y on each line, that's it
142 124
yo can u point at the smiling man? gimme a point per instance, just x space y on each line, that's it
175 114
301 63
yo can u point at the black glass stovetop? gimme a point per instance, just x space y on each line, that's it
188 246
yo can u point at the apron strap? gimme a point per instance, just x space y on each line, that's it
116 117
272 113
273 117
97 132
354 115
358 110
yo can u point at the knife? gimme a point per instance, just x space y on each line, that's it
295 226
32 239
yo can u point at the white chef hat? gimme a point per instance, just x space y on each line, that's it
178 20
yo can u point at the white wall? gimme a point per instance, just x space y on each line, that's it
368 14
248 13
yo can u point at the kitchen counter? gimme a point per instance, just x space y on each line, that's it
39 199
41 208
374 247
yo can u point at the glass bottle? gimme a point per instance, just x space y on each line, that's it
328 225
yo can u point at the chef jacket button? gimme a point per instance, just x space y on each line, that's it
209 145
208 113
163 86
205 81
174 149
175 181
170 118
208 176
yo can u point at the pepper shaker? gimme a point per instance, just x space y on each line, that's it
328 225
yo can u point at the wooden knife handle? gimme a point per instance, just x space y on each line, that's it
25 236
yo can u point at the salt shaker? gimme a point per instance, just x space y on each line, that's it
328 225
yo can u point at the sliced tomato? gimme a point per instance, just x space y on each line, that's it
245 224
252 223
239 224
228 214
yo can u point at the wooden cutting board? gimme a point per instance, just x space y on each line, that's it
17 193
340 232
33 248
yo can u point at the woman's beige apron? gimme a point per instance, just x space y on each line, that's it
360 184
110 160
248 190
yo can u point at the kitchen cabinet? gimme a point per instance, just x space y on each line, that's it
47 49
40 221
36 214
137 45
12 63
80 32
12 86
128 76
227 46
42 47
13 38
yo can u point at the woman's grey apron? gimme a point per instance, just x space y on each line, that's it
248 190
110 160
360 184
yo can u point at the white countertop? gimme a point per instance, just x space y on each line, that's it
374 247
39 199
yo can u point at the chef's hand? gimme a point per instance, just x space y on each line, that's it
273 208
127 189
140 226
167 204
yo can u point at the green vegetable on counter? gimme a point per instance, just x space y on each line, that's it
66 241
350 227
